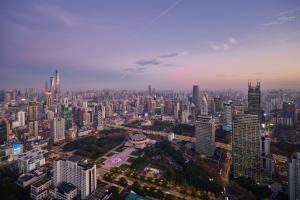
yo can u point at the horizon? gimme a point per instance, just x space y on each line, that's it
170 44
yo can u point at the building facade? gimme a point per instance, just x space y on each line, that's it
205 135
294 176
58 129
246 147
73 170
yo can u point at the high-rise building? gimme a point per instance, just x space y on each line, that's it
57 82
267 165
149 90
80 174
205 135
204 105
294 176
288 114
33 118
246 147
100 116
58 129
4 131
254 100
196 98
67 114
227 116
21 118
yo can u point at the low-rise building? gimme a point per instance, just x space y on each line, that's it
40 189
66 191
31 160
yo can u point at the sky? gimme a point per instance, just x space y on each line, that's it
170 44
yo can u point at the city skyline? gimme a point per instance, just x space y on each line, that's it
168 44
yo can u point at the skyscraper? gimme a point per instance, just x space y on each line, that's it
67 114
196 99
33 117
205 135
4 131
254 100
204 105
81 174
57 82
21 118
227 116
246 147
58 129
99 116
149 90
294 176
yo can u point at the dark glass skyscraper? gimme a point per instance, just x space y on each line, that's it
196 98
254 99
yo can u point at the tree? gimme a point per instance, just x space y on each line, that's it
122 181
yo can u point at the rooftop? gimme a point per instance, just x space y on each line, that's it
65 187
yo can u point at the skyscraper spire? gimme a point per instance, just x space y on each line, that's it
57 82
46 86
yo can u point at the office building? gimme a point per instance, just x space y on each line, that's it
100 116
204 105
294 176
67 114
31 160
33 118
58 129
74 171
288 115
196 99
21 118
227 116
254 100
246 147
205 135
4 131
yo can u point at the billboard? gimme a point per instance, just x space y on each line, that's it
16 149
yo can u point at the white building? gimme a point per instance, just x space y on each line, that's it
205 135
58 129
73 170
294 176
204 105
21 118
31 160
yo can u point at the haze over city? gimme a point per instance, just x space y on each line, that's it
170 44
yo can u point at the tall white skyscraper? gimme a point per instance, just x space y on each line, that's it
21 118
294 176
204 105
72 170
246 147
205 135
58 129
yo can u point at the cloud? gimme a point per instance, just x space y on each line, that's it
135 69
279 20
169 55
223 46
282 18
146 62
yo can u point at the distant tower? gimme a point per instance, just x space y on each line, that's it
48 95
52 87
57 82
204 105
4 131
205 135
149 90
254 99
100 116
196 98
33 117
